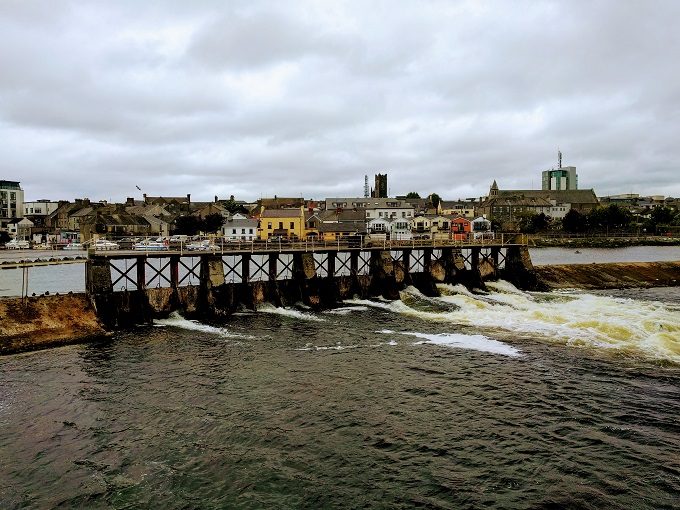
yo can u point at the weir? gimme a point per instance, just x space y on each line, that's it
128 289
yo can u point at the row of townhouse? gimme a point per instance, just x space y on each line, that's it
391 218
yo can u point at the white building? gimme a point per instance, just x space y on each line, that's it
240 228
389 208
398 229
11 202
40 208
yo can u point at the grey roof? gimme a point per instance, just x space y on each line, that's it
241 223
343 227
575 196
343 215
280 213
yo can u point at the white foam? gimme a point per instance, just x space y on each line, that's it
346 310
337 347
634 327
471 342
289 312
175 320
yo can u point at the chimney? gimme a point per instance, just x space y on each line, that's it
215 198
189 197
130 201
144 195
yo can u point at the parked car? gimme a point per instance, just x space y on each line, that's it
74 246
150 246
16 244
105 245
201 246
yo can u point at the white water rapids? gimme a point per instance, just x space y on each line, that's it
632 327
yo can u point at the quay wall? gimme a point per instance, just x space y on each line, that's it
45 321
609 276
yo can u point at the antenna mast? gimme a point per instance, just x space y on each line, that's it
559 158
366 191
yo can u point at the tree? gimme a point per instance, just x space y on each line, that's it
412 194
660 216
434 200
574 222
532 223
188 225
4 237
611 217
212 223
231 206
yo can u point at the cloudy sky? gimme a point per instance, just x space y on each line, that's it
306 97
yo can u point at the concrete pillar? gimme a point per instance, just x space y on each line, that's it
273 263
354 262
212 271
331 264
382 275
141 273
174 271
519 270
245 268
98 276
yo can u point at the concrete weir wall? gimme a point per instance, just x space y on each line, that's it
344 275
38 322
609 276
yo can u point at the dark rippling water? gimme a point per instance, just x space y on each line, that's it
294 410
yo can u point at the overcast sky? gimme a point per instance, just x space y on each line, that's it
305 98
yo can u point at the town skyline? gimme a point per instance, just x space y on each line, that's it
169 96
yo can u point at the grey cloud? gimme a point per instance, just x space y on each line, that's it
263 98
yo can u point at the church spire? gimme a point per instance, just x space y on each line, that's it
494 189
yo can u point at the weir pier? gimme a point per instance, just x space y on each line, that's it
128 288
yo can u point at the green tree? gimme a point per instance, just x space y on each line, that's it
231 206
659 217
435 199
412 194
574 222
611 217
532 223
187 225
4 237
212 223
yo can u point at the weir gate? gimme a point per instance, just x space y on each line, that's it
131 287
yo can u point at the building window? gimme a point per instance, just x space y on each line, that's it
243 231
250 230
292 225
280 225
233 230
269 225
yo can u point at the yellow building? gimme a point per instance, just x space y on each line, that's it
287 223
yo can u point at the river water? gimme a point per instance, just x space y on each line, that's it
498 400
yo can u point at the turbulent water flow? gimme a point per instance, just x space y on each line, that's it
500 399
627 326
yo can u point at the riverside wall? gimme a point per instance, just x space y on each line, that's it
45 321
609 276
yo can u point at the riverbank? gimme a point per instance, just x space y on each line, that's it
46 321
601 242
610 276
